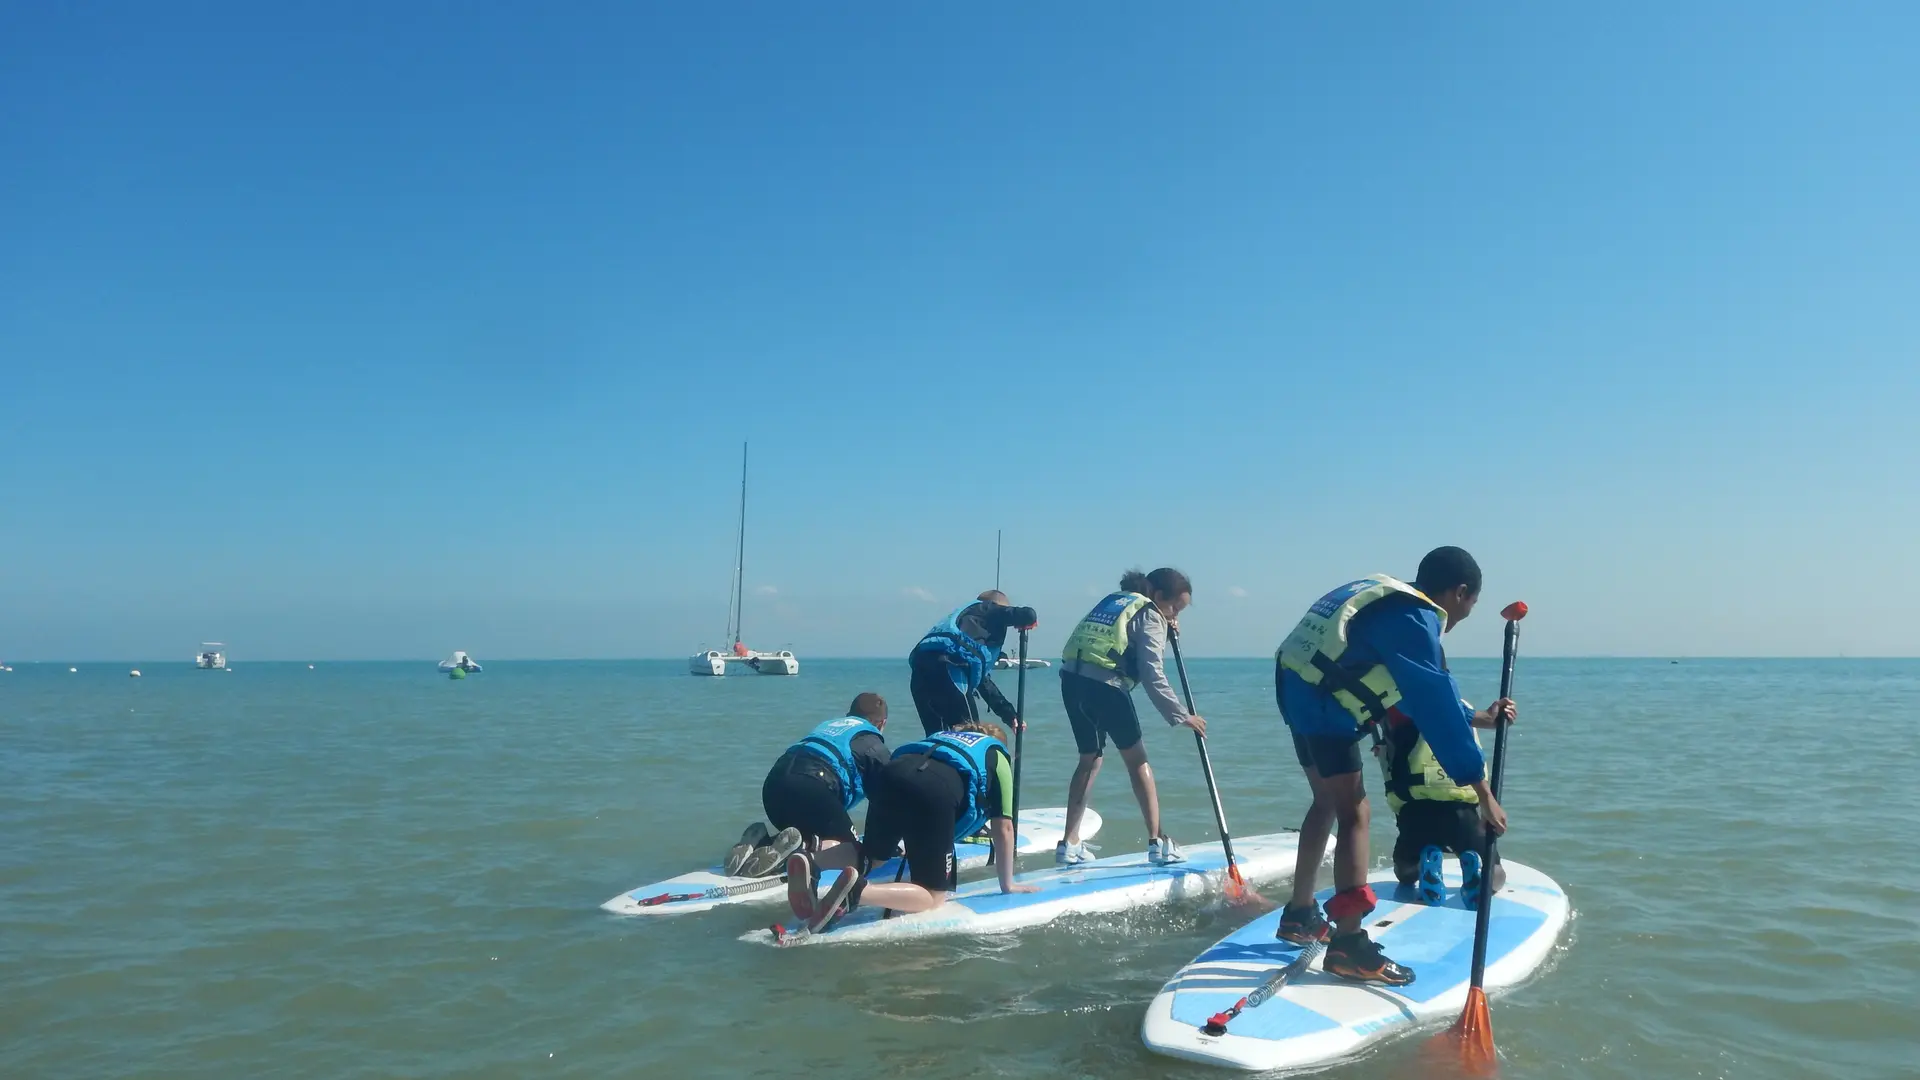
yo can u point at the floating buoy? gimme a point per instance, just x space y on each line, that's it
73 671
134 674
309 667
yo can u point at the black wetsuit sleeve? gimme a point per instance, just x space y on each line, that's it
870 755
996 700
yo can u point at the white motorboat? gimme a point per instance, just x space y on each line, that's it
211 658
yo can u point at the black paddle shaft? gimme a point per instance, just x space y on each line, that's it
1019 731
1206 762
1483 919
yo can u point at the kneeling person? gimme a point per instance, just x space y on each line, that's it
933 793
812 787
1434 815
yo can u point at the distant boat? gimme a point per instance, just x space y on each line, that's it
714 661
457 666
211 658
1014 662
134 674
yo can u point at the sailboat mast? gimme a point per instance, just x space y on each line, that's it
996 559
740 554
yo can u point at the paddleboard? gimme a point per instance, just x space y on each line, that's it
1115 883
704 890
1315 1018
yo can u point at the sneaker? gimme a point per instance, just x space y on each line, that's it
803 884
772 853
836 901
1470 878
755 835
1357 958
1302 926
1161 850
1065 854
1433 885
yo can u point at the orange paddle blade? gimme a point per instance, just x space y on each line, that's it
1468 1044
1239 892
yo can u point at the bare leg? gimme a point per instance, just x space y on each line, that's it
1315 829
1348 794
1144 792
1077 789
903 896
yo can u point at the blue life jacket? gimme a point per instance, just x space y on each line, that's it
970 754
974 657
833 742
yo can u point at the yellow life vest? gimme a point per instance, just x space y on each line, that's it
1412 772
1314 648
1101 637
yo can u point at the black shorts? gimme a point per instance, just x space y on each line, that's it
1328 755
802 792
920 806
1453 827
941 704
1098 712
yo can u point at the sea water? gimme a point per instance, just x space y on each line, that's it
370 870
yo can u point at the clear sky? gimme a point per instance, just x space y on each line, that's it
377 330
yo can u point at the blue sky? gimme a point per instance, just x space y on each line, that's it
388 329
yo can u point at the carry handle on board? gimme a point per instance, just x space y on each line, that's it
1236 883
1470 1039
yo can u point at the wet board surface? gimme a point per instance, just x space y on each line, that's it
703 890
1317 1019
1103 885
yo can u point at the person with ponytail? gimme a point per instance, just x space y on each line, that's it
1120 644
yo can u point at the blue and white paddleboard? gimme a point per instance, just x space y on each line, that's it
704 890
1111 884
1315 1018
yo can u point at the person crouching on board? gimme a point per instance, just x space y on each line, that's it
1120 643
933 793
954 661
1360 650
1433 815
814 785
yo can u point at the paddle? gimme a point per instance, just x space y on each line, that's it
1019 730
1237 890
1472 1034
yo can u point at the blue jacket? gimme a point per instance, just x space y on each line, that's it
1406 638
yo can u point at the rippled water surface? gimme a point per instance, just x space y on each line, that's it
367 870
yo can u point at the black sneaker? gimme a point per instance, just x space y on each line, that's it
1357 958
836 901
1302 926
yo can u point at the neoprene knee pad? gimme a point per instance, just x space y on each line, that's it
1352 903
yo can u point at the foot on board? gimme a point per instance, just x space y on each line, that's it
1357 958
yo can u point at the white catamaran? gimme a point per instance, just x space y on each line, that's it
715 661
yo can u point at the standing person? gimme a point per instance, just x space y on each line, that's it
933 793
954 662
1363 649
1120 643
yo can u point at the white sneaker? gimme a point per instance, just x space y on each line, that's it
1162 850
1065 854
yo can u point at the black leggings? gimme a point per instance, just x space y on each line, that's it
940 704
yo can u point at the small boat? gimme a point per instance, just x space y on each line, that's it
211 658
459 665
1014 662
134 674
